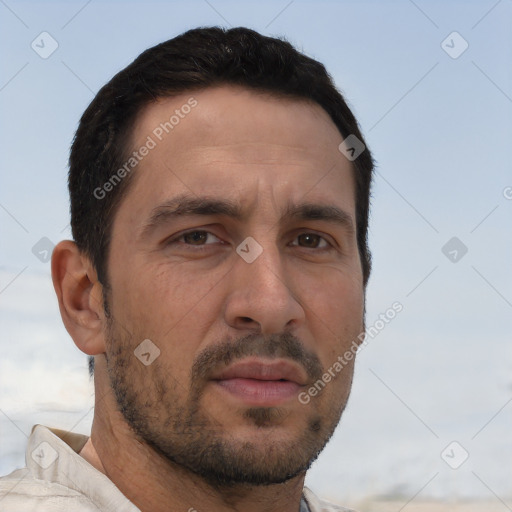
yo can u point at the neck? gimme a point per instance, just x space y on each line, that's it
154 483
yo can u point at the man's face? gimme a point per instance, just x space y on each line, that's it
242 326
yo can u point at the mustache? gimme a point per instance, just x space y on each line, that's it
284 345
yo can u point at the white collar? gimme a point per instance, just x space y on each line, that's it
50 457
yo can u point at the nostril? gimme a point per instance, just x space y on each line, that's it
246 319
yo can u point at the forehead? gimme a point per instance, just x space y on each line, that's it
236 142
232 115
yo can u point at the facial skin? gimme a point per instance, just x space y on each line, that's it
200 414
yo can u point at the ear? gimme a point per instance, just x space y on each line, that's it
80 296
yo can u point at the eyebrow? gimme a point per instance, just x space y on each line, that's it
322 212
186 205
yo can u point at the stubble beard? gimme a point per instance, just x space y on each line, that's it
182 432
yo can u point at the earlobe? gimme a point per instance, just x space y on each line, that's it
80 297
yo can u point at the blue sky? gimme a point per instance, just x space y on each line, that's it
440 129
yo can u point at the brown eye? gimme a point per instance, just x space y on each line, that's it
309 240
195 237
312 241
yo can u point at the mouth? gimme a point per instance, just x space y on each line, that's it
261 382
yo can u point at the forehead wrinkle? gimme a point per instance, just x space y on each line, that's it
184 204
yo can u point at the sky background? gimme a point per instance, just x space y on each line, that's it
439 123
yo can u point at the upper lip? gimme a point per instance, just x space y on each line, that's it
263 369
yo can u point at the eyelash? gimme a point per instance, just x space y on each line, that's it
176 239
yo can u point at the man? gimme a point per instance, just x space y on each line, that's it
219 206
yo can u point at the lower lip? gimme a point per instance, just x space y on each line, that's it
260 392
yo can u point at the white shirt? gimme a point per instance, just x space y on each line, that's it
58 479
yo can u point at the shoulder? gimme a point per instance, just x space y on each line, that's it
21 492
318 505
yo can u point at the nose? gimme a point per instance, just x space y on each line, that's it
261 296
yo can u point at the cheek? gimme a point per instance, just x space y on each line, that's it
160 296
335 298
184 297
334 313
172 308
341 385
